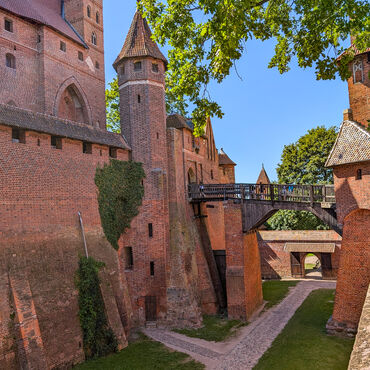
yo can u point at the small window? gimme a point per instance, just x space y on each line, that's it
151 268
38 39
97 17
137 66
63 46
150 230
122 70
157 135
358 71
212 174
155 67
129 258
139 98
81 56
10 61
89 11
113 152
56 142
86 148
18 136
94 39
97 65
8 25
38 142
359 174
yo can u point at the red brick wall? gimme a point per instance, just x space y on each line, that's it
42 189
359 92
354 268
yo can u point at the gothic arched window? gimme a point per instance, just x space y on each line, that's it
93 38
358 71
89 11
10 61
97 17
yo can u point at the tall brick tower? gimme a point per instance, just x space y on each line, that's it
141 70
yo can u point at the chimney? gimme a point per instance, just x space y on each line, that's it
347 115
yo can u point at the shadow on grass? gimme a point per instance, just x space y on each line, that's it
274 291
303 344
144 354
215 328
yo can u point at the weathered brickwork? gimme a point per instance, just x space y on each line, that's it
276 261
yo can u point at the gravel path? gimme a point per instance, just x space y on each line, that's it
244 351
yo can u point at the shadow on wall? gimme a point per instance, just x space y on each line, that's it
267 255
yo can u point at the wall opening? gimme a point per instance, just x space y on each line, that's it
312 267
129 258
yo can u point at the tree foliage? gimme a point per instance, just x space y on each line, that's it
98 338
120 195
303 162
207 37
112 106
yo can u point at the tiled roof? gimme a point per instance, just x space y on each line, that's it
263 178
25 119
352 145
178 121
139 42
224 159
47 12
357 52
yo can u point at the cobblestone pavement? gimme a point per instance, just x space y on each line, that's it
244 351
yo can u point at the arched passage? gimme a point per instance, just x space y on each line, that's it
71 102
312 266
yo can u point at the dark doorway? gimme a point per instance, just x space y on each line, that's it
220 257
151 308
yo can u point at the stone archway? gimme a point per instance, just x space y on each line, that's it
312 266
71 102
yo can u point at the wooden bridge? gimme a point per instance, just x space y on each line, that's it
261 201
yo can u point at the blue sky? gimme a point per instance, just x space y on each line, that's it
263 112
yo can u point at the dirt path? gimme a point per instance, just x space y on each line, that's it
244 350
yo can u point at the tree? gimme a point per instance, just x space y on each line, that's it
303 162
112 106
207 37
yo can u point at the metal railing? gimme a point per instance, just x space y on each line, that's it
263 192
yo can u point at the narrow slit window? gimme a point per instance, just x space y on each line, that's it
56 142
150 230
86 148
97 65
10 61
63 46
18 136
139 99
155 67
129 258
89 11
212 174
97 17
8 25
152 268
81 56
359 174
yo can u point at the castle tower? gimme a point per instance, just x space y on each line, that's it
263 177
359 89
141 71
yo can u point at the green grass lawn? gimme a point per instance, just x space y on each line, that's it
304 344
214 328
144 354
274 291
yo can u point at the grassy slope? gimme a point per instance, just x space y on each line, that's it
274 291
144 354
215 329
304 344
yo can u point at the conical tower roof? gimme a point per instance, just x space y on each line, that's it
224 159
139 42
263 178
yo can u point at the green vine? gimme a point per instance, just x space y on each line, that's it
98 338
120 195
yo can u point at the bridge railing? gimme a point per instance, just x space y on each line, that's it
263 192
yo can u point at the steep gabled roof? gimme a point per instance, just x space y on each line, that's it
27 120
263 178
139 42
352 145
46 12
224 159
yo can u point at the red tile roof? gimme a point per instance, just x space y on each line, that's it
224 159
47 12
263 177
139 42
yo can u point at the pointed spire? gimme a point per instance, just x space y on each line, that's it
139 42
263 178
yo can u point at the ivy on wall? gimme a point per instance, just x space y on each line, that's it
98 338
120 195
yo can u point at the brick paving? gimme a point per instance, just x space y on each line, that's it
244 351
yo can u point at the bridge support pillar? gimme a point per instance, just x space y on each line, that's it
243 268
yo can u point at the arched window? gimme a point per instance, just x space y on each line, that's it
10 61
89 11
93 38
358 71
97 17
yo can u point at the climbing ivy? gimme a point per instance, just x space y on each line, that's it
98 338
120 194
